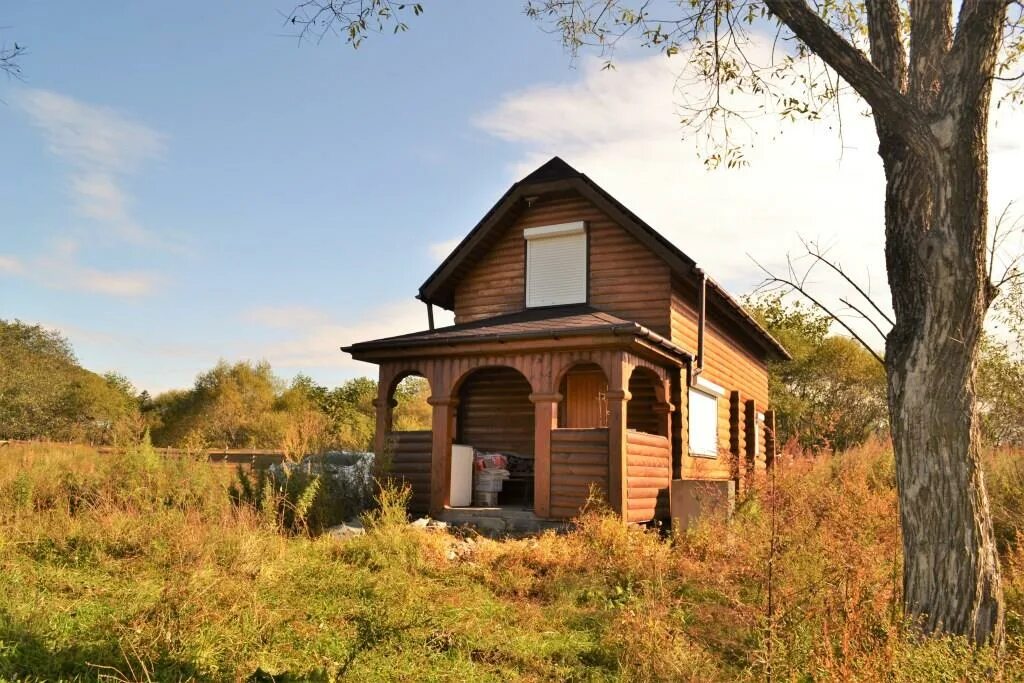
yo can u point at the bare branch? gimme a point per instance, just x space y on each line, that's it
814 251
864 316
1001 231
799 286
9 60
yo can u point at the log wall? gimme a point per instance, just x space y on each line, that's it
410 454
625 278
648 475
579 460
495 412
730 362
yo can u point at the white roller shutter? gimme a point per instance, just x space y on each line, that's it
556 265
703 418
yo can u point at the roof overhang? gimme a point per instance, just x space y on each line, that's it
627 336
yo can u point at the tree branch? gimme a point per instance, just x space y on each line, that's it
868 319
888 104
972 58
930 38
813 250
885 36
798 286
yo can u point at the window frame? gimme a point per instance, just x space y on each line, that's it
714 396
541 232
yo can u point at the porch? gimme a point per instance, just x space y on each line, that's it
591 416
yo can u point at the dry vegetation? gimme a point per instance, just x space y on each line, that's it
140 568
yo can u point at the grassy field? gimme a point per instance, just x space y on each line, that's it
136 567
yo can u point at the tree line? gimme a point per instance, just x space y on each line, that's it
46 394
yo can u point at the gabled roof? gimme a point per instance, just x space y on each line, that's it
558 176
538 323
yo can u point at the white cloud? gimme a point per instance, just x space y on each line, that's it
621 127
59 268
102 147
439 251
285 317
318 336
11 265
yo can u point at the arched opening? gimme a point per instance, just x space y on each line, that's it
641 411
648 449
584 390
408 438
495 416
408 396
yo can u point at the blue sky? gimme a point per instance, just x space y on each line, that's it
188 183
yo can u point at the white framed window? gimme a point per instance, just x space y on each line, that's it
703 424
556 264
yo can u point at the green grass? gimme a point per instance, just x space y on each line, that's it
138 568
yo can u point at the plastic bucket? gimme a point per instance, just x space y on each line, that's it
485 499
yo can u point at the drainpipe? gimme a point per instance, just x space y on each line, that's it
430 314
702 304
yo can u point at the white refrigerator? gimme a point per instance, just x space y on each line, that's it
462 476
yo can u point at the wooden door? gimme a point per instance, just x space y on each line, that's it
586 403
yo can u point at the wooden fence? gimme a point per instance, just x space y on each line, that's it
254 458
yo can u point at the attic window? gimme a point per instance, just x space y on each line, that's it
556 264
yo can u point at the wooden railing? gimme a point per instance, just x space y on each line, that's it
409 454
579 461
648 475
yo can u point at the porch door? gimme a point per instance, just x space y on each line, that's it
586 403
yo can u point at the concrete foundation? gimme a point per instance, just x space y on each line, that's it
693 499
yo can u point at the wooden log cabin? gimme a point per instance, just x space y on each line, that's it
589 346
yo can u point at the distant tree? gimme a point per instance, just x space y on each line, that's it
412 412
230 406
350 412
46 394
1001 371
831 395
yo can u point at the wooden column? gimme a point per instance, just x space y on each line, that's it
545 408
770 443
384 405
750 431
738 466
441 452
618 396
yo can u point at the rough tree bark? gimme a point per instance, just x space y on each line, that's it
931 113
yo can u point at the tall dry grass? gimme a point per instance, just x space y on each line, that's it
141 568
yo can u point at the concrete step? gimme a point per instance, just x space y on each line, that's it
501 521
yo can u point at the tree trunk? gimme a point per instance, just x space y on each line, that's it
936 211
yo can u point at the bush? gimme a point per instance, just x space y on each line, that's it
307 497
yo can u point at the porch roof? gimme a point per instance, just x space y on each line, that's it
543 323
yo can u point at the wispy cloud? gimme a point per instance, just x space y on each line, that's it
102 148
59 268
439 251
10 265
316 336
286 317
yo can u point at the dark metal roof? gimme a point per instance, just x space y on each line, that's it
539 323
556 174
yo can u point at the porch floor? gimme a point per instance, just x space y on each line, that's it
507 520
